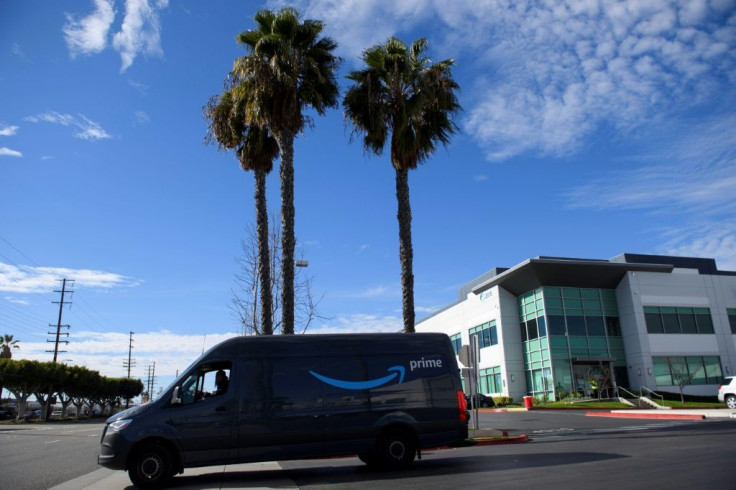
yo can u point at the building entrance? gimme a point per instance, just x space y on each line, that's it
593 378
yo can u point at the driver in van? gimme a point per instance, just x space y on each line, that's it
221 382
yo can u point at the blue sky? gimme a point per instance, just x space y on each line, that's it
590 128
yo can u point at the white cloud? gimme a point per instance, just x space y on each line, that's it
172 352
360 323
689 174
7 152
88 35
27 279
555 71
16 301
140 32
140 118
716 240
86 129
8 130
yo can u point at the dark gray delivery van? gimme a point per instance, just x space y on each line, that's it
383 397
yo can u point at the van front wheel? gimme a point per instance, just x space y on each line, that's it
150 467
396 450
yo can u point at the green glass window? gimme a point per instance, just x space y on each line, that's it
576 325
595 325
731 312
556 325
485 334
689 370
457 342
705 323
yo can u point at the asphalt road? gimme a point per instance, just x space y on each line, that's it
40 455
567 450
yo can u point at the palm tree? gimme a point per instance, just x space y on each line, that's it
288 67
402 93
256 150
6 345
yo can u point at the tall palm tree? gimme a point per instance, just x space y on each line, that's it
7 344
288 67
256 150
401 93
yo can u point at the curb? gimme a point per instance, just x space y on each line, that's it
671 416
492 441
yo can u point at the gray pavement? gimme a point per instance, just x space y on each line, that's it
211 477
266 475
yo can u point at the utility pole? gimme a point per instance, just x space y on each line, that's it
129 364
151 382
57 341
58 323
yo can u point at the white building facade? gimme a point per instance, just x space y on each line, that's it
549 326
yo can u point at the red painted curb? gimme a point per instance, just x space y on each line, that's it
673 416
506 440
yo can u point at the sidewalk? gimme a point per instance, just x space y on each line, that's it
673 414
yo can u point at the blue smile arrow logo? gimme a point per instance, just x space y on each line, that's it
363 385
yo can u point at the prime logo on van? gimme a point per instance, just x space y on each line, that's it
398 372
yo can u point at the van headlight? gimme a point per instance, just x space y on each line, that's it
119 425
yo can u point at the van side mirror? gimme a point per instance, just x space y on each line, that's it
175 399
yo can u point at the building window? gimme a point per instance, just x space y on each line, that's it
706 370
486 334
671 320
490 380
457 342
732 319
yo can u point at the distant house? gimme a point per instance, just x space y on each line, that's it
550 326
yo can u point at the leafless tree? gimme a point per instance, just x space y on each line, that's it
681 376
245 300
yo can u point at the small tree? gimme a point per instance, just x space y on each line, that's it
245 301
681 375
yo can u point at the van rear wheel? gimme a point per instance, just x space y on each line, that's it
150 467
396 449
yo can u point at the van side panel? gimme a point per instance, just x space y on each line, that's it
280 406
371 385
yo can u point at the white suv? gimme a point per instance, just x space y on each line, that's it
727 391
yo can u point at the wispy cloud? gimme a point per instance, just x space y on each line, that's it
690 174
7 152
8 130
27 279
553 72
140 118
140 32
88 35
86 129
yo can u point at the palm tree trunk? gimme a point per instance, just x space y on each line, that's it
406 252
264 257
288 240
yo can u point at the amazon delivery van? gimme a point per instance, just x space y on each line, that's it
383 397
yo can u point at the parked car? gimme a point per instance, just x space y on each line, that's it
727 391
5 415
34 414
479 401
56 414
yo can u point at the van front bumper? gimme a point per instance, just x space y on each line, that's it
114 449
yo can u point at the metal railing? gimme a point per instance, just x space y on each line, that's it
644 388
618 388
